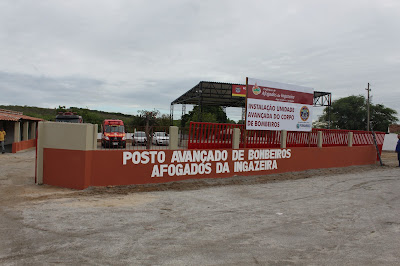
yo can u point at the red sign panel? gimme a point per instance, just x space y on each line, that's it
280 95
239 90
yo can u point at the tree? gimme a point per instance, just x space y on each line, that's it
163 120
149 117
212 114
230 121
61 108
319 124
382 117
351 113
88 116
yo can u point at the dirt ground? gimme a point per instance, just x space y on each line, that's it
327 216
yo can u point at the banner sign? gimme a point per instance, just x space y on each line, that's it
278 106
239 90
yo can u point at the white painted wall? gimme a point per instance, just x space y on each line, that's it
390 142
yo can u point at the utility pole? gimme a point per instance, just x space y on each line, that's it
368 90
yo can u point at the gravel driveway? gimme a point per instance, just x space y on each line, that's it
320 217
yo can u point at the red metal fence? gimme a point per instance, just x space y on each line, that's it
260 139
210 135
204 135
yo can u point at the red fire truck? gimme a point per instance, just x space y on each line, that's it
113 134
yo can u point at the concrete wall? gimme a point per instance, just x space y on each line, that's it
25 130
104 168
17 131
173 137
66 136
32 131
67 157
23 145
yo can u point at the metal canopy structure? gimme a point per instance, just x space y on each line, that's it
322 98
209 93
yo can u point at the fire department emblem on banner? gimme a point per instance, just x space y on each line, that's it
304 113
256 89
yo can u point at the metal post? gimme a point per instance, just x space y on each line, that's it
201 102
376 145
368 118
183 109
329 117
200 107
171 115
245 117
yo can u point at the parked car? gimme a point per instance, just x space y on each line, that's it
139 138
160 138
113 134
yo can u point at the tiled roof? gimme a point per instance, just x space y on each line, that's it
8 115
394 128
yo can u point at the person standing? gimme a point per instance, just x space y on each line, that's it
2 138
398 148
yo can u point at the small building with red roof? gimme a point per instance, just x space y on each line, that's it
20 130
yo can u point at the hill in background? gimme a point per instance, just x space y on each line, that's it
49 114
162 121
89 116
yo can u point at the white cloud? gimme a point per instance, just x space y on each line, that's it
130 55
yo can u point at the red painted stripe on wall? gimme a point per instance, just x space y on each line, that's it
23 145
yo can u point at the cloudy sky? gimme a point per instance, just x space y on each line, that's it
128 55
